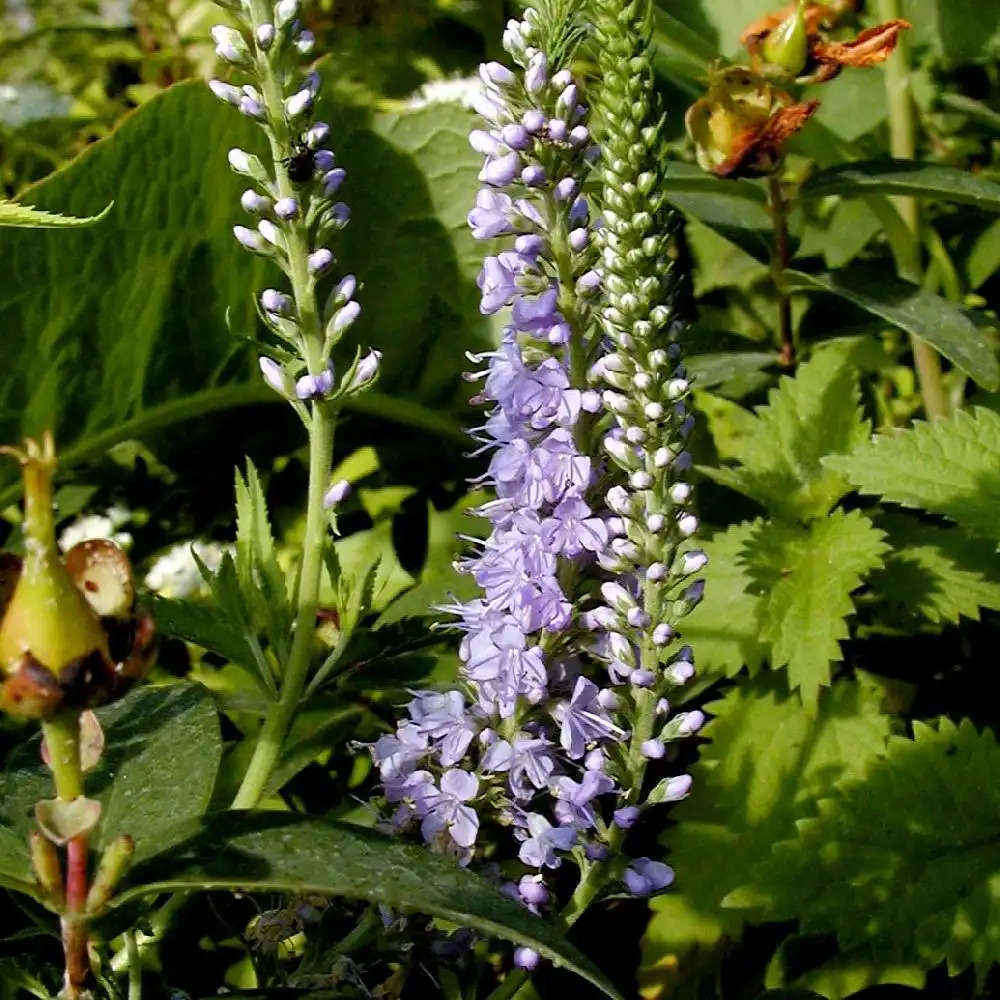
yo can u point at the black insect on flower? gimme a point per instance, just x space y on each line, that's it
301 164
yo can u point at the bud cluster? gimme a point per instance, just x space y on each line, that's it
292 201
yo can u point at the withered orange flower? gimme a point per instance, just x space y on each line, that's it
824 58
738 128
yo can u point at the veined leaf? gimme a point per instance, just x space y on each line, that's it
769 758
904 177
940 574
27 217
278 852
948 328
805 577
905 857
949 467
724 630
781 451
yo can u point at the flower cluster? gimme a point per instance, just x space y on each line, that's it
568 654
293 204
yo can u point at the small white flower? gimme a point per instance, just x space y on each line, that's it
176 574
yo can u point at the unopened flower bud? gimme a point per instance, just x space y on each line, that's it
786 49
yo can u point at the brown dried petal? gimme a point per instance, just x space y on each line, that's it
30 690
758 150
871 47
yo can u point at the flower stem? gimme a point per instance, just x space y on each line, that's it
780 259
280 714
903 143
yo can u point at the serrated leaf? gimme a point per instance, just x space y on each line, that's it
949 467
277 852
27 217
723 628
947 327
200 623
941 574
768 760
780 449
805 577
262 581
905 857
859 969
903 177
162 753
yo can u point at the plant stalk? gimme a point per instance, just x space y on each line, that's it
903 145
780 259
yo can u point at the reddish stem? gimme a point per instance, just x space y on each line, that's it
74 929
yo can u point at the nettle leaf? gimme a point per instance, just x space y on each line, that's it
278 852
724 630
27 217
780 450
769 758
951 330
904 858
940 574
805 577
159 766
949 467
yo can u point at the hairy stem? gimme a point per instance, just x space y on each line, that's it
780 259
903 143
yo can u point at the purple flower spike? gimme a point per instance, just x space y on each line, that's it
447 809
626 817
286 208
491 216
315 386
645 877
332 180
537 74
653 749
532 890
516 136
250 239
539 849
273 375
320 261
557 130
533 121
336 494
317 135
496 282
499 171
533 175
582 719
276 302
526 958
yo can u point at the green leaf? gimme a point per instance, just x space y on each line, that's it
768 760
904 858
159 765
941 574
805 577
780 449
121 330
851 971
200 622
707 370
723 630
26 217
904 177
984 256
277 852
949 467
948 328
262 581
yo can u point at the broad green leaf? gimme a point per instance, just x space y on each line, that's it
26 217
278 852
849 972
948 328
904 177
199 622
707 370
984 256
806 418
940 574
805 578
949 467
904 857
159 765
121 330
686 178
723 629
768 760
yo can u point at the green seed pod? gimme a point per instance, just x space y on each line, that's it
785 50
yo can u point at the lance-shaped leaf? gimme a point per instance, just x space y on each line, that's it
27 217
278 852
904 177
948 328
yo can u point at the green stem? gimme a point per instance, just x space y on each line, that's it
62 738
279 716
903 145
780 259
134 966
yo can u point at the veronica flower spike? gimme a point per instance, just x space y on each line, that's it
291 215
572 645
